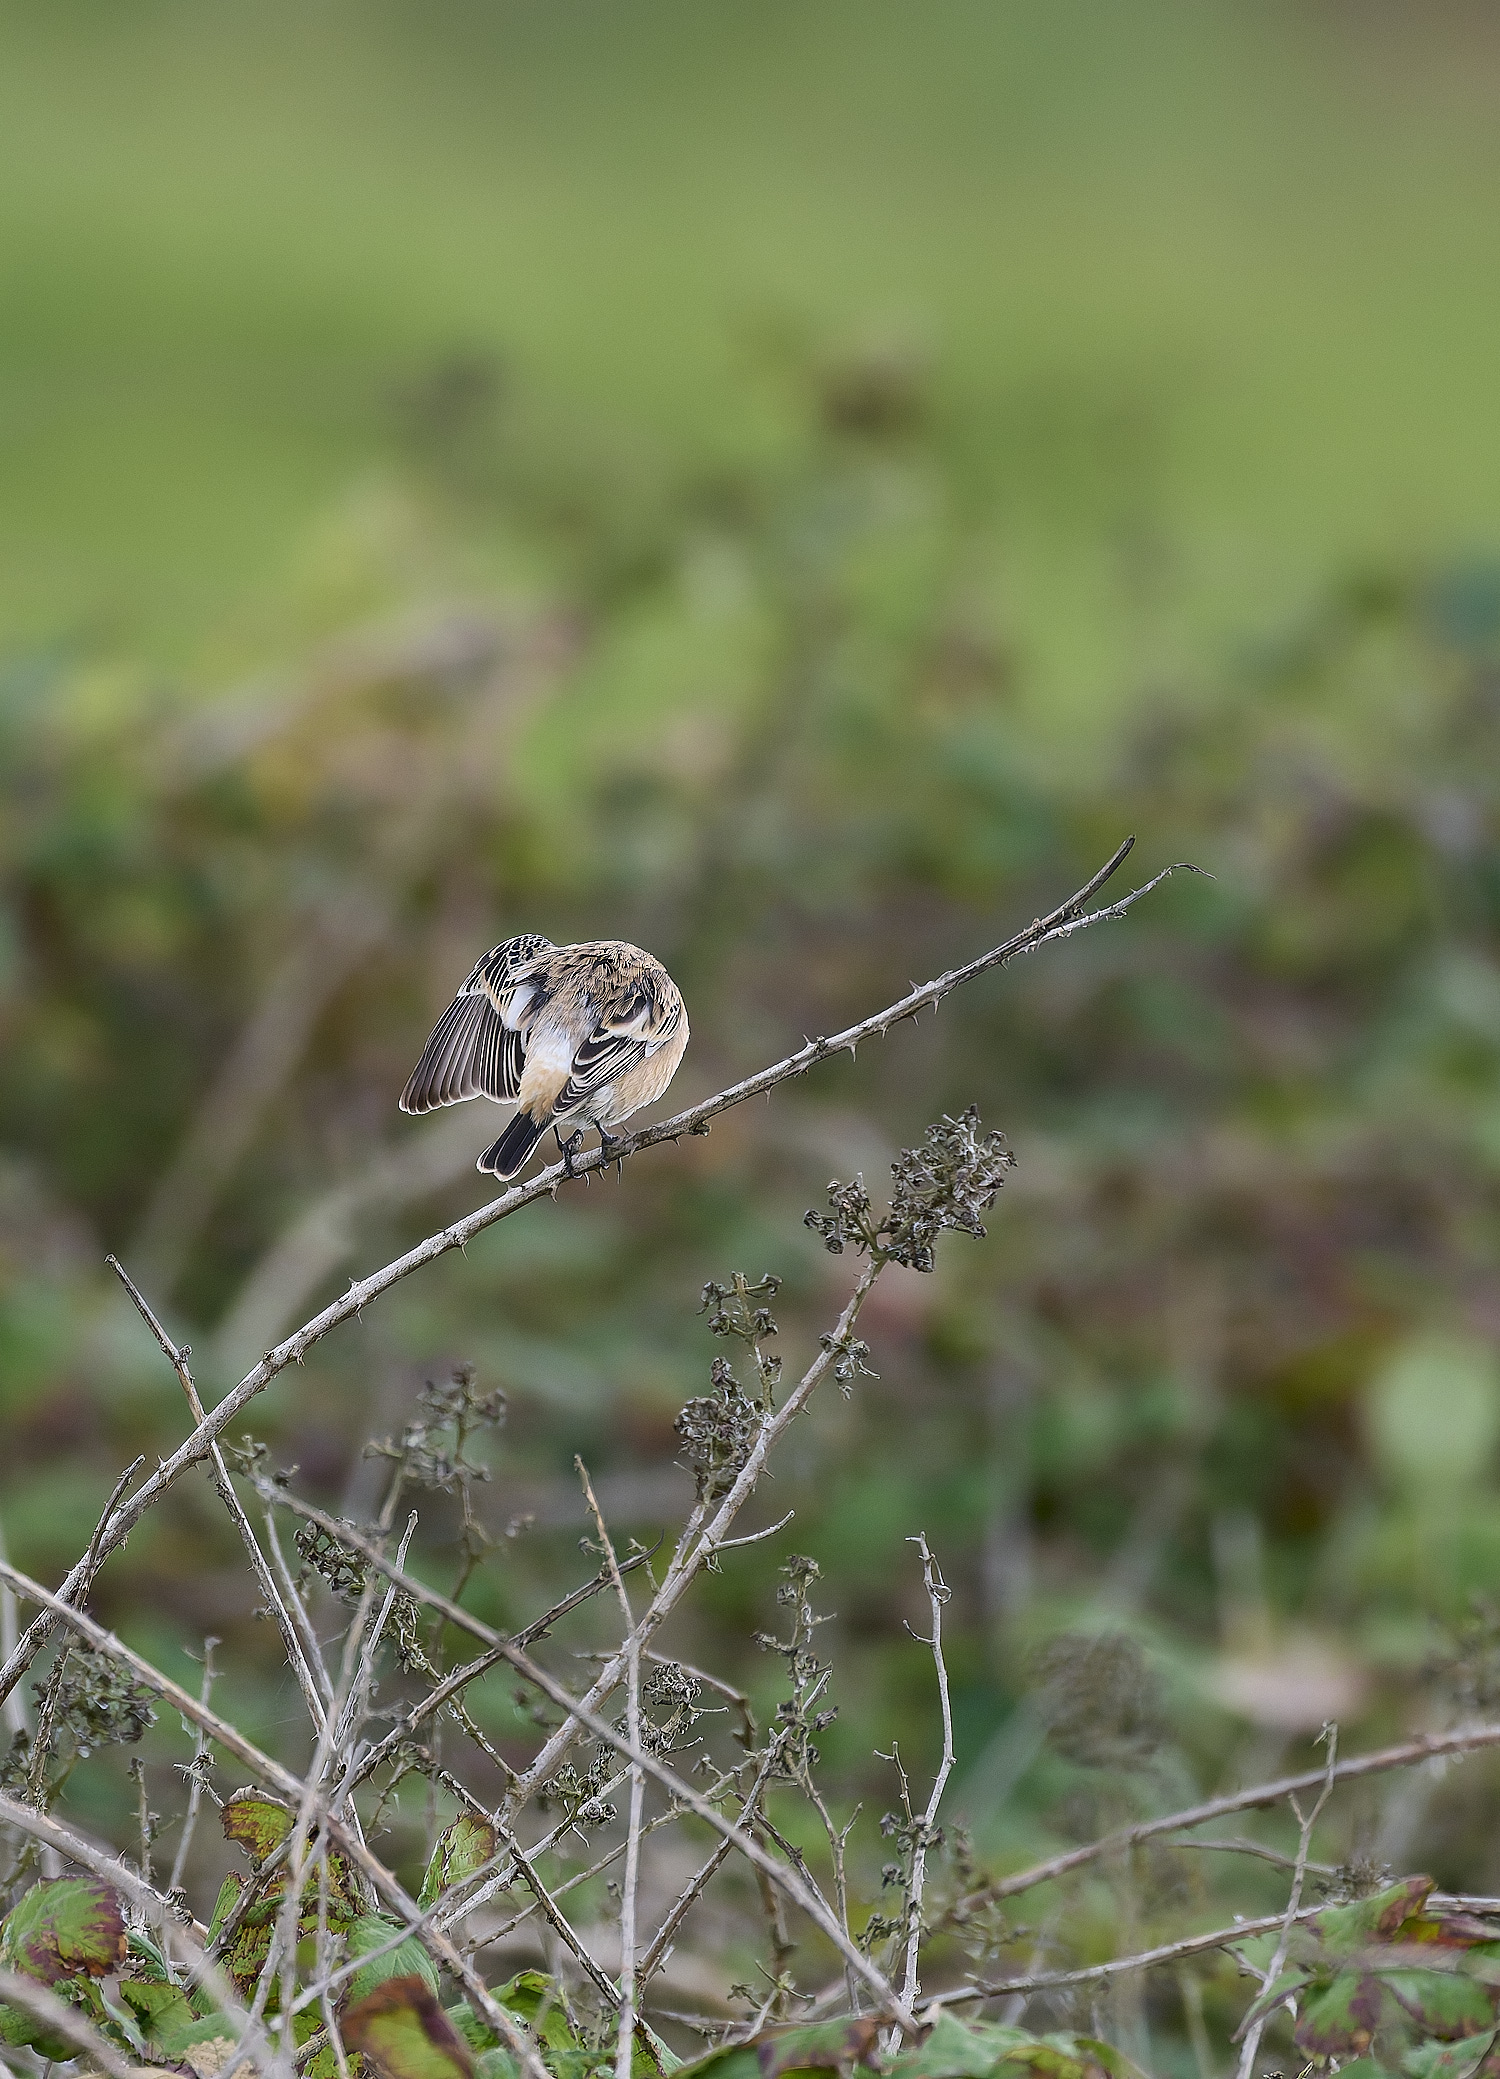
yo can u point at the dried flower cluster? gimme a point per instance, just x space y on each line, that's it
947 1182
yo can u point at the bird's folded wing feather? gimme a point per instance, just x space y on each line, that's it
472 1052
613 1047
599 1060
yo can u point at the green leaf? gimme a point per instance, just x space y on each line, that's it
953 2049
827 2046
1102 2057
157 2008
65 1928
1341 1932
229 1891
476 2033
462 1848
205 2047
532 1997
1341 2019
258 1823
407 1960
1293 1981
1444 2003
145 1957
1051 2059
405 2034
496 2064
18 2030
247 1952
1447 2060
667 2060
734 2061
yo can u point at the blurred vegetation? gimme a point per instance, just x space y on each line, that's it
1221 1383
814 666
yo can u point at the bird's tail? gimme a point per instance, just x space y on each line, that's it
510 1154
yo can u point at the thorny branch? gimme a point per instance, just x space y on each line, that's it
298 1657
1118 1966
1404 1754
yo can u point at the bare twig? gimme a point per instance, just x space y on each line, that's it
801 1893
788 1880
1404 1755
291 1638
1260 1850
698 1546
1253 2032
1117 1967
179 1931
194 1772
661 1942
102 1861
297 1610
1069 917
937 1595
461 1677
218 1729
629 1890
561 1926
692 1554
13 1714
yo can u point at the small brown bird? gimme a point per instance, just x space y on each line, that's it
581 1035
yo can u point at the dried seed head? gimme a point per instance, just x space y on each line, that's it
947 1182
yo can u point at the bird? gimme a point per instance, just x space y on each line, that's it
571 1035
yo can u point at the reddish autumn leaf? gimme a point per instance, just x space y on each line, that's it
70 1927
405 2034
258 1823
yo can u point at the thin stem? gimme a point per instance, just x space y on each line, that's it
13 1714
1252 2034
661 1942
288 1786
461 1677
937 1595
694 1554
1117 1967
625 2029
179 1932
265 1579
194 1772
1405 1754
297 1610
790 1881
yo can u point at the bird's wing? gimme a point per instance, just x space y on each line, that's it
615 1045
598 1060
473 1051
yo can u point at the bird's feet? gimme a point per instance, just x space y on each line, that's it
568 1149
611 1148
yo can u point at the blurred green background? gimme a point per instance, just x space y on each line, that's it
792 486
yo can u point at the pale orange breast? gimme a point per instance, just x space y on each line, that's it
644 1083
